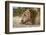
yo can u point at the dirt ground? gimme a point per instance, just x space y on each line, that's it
17 23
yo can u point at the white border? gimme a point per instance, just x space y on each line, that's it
11 29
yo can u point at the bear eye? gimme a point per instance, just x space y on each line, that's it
24 15
31 16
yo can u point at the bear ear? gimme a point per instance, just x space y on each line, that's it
30 10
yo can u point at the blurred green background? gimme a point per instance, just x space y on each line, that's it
18 11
